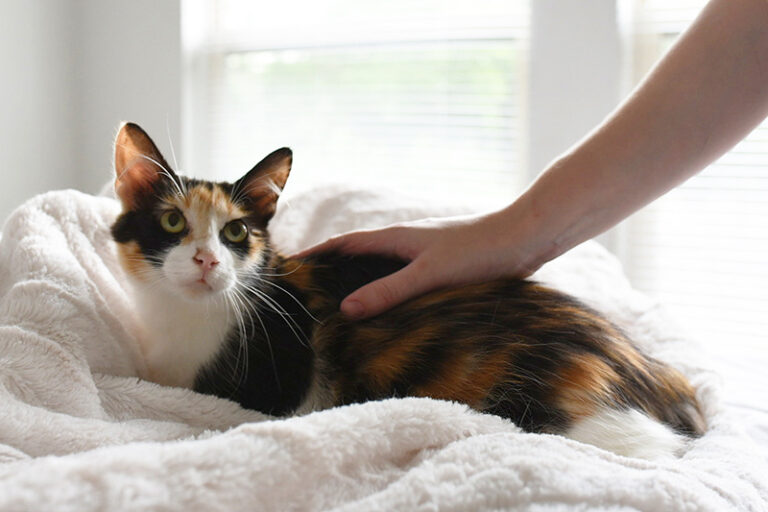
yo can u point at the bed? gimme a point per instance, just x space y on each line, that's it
80 431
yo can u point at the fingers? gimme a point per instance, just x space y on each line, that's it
329 245
356 242
385 293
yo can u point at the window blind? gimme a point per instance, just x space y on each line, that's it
426 97
703 248
665 17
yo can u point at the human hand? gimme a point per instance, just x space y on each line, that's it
441 253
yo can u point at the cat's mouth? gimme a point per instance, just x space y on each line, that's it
195 285
199 287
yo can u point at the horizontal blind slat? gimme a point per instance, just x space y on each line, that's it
703 248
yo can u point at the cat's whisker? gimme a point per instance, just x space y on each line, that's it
146 259
272 271
175 180
170 143
266 335
135 151
242 341
243 308
287 317
274 306
224 366
243 348
301 305
277 308
148 276
263 181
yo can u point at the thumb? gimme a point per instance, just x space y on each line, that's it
385 293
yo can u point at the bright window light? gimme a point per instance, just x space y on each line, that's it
424 97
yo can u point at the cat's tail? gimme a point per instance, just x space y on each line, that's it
654 413
676 404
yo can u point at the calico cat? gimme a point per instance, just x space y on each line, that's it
225 314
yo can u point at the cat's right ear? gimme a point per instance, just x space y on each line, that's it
262 185
138 165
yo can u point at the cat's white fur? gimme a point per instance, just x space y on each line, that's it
185 321
629 433
179 335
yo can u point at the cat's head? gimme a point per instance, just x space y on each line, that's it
193 238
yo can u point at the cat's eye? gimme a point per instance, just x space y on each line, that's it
173 222
236 231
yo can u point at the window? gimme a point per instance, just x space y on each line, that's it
703 248
424 96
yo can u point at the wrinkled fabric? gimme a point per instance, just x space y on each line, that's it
79 430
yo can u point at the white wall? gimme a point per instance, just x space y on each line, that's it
37 135
71 71
575 73
129 68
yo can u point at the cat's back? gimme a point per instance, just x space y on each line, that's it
509 347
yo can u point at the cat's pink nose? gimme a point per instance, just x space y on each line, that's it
206 259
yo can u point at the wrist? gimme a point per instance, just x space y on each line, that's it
528 239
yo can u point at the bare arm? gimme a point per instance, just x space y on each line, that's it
707 93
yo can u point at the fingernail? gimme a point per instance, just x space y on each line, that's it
353 308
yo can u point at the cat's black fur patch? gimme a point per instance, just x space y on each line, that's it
279 354
273 371
143 227
338 275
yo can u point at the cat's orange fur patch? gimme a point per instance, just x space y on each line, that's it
441 296
317 302
133 260
206 202
484 377
388 364
298 273
454 380
672 384
629 355
468 377
257 245
584 382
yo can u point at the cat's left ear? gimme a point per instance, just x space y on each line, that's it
139 165
262 185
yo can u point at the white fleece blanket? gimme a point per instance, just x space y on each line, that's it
79 431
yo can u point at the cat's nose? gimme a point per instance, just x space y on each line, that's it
206 259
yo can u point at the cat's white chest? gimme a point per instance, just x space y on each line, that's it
180 336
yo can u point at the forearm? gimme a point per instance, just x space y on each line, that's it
707 94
